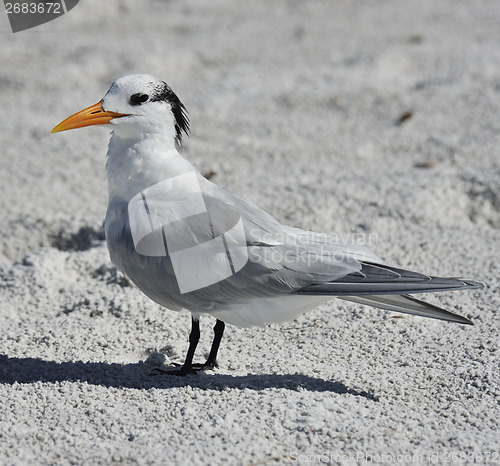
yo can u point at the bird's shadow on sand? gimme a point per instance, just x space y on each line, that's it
141 376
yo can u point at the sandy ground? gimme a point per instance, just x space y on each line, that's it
378 120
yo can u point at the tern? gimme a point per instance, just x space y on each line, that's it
188 243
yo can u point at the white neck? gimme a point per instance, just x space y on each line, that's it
135 164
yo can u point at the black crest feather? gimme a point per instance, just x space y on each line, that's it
166 94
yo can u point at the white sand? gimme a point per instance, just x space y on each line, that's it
295 105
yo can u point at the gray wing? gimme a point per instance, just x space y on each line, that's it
385 287
378 279
281 261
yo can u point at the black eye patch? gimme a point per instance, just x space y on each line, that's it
138 99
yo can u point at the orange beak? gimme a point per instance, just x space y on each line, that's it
93 115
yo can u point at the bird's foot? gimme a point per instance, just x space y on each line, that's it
205 366
181 371
185 370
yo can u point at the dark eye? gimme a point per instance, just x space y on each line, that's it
138 99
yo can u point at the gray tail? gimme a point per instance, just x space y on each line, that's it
407 305
387 287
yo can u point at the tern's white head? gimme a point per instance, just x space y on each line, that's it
135 105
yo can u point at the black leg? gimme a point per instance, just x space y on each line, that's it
212 357
187 368
194 337
218 332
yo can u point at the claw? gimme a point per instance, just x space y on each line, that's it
183 370
207 366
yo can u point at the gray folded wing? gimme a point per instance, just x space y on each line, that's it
279 261
386 287
374 279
